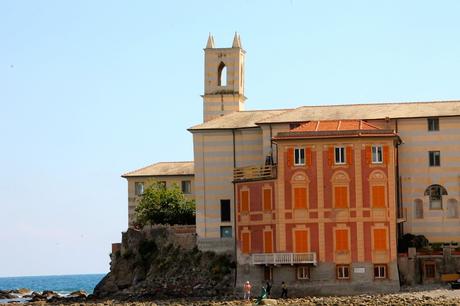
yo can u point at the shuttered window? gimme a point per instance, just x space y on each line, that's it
301 241
267 199
341 240
290 157
268 244
245 240
378 196
244 200
300 197
341 197
380 239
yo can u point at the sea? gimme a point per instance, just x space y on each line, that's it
62 284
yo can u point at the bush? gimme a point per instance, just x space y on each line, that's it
412 241
160 205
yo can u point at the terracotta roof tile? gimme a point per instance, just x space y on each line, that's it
334 125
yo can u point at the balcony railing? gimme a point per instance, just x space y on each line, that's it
283 258
250 173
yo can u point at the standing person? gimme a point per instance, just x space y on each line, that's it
283 290
268 289
247 290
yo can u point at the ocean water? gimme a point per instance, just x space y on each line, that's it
63 284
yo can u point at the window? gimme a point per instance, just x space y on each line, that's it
435 158
268 242
299 156
268 273
341 240
435 193
222 75
430 269
380 271
380 239
418 209
301 241
433 124
225 210
340 197
138 188
452 208
378 196
186 187
225 232
300 197
245 200
162 183
267 199
339 155
245 243
342 271
303 272
377 154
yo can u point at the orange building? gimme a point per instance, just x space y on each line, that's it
323 219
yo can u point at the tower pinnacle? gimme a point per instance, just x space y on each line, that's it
236 41
210 43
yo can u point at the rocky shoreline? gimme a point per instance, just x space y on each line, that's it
436 296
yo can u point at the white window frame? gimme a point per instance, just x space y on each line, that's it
340 271
141 192
303 272
340 155
380 269
376 149
299 157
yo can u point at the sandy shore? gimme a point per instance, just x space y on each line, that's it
437 296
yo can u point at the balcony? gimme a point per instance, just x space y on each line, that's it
283 258
254 173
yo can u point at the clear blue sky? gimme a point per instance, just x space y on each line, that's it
92 89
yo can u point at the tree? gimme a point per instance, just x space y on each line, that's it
161 205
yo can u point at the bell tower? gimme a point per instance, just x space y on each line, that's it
223 79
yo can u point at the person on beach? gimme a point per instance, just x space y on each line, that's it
247 290
268 289
283 290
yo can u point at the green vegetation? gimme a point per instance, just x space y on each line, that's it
412 241
160 205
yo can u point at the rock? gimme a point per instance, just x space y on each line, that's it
21 291
4 294
79 293
268 302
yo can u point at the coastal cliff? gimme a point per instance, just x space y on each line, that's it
163 261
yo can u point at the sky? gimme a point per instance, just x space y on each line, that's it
90 90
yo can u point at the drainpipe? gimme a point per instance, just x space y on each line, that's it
234 210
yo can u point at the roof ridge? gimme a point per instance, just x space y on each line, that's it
379 103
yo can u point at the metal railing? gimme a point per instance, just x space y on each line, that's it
254 173
283 258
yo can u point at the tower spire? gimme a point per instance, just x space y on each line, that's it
210 43
236 41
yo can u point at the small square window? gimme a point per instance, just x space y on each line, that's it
162 183
434 158
380 271
225 232
430 270
186 187
303 272
139 188
339 155
299 156
343 271
377 155
433 124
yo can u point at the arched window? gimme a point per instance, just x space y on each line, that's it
418 206
435 193
222 75
452 208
